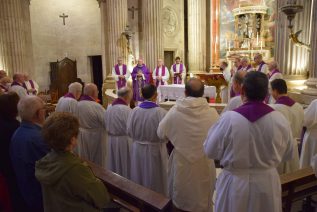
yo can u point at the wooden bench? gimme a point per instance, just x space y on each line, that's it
297 186
129 195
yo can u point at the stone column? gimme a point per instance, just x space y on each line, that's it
311 92
293 60
197 36
114 44
152 32
16 53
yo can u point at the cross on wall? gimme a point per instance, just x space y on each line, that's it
63 17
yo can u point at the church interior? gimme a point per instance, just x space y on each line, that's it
88 58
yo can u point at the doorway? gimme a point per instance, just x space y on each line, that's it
97 78
168 61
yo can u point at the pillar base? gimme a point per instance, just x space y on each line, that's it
108 83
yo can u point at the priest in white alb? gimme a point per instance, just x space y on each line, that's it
178 72
17 85
149 154
274 73
92 143
227 76
160 74
260 64
294 113
30 85
250 142
309 145
121 74
119 143
191 175
68 102
235 101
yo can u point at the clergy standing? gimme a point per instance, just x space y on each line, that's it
236 68
120 73
160 74
149 154
17 85
92 134
119 143
178 72
294 113
250 143
260 64
236 101
273 74
245 65
227 75
140 77
191 175
30 85
68 103
309 145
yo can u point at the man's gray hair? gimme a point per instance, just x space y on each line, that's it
28 107
245 59
89 89
238 78
75 87
274 64
123 92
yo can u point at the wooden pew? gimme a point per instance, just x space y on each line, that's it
297 186
129 195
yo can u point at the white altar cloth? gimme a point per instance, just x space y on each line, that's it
173 92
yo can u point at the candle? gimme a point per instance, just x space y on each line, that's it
257 39
229 45
261 45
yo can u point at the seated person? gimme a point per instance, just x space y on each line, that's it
68 184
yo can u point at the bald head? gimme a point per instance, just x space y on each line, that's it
91 90
272 65
194 88
31 109
125 93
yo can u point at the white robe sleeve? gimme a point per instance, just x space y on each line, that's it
167 75
265 69
162 130
115 76
215 142
172 71
127 75
154 74
310 114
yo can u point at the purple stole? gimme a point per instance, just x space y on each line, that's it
254 110
32 86
261 65
157 74
119 101
273 72
239 68
148 105
4 88
178 79
17 84
121 82
69 95
247 68
285 100
86 98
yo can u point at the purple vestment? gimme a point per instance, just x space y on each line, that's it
121 82
254 110
275 71
86 98
261 65
285 100
119 101
148 105
69 95
159 82
139 82
178 78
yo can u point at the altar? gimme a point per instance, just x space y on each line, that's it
174 92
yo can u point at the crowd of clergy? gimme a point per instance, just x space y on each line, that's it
257 137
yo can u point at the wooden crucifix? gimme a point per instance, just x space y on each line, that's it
63 17
132 10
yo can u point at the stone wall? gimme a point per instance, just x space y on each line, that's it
52 41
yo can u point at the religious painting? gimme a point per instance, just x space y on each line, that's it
242 30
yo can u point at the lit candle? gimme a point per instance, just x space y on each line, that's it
261 45
257 39
229 45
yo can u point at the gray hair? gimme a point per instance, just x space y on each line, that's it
123 92
89 89
75 87
28 107
238 78
245 59
274 64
